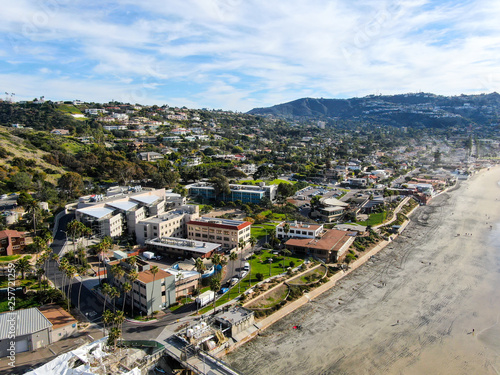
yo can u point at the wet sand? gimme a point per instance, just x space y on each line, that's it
411 309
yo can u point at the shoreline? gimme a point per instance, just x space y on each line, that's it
413 306
316 292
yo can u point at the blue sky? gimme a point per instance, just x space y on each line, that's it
241 54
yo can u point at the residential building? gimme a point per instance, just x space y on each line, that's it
298 230
329 247
11 242
182 248
151 292
226 232
244 193
119 212
60 131
169 224
330 209
28 328
150 156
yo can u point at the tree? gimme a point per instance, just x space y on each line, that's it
33 209
252 241
71 183
70 273
216 261
154 270
286 229
286 253
23 265
241 243
106 291
232 257
21 181
113 295
107 318
126 288
221 185
214 286
200 266
132 276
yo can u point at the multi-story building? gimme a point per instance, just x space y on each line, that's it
11 242
298 230
226 232
151 292
121 209
330 209
170 224
244 193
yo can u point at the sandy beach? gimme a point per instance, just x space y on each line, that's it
429 303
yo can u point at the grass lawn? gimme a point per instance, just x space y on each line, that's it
9 258
68 108
250 280
271 182
20 304
374 219
72 147
259 230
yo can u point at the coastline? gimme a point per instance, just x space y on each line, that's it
306 298
420 280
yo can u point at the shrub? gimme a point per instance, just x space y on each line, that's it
259 276
292 263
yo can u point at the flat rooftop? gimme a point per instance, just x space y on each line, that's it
182 244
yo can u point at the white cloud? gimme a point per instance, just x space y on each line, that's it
237 54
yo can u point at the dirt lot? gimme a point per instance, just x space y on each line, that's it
427 304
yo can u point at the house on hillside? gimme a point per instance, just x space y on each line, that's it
11 242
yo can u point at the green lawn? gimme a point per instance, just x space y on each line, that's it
20 304
9 258
374 219
68 108
259 230
271 182
273 216
72 147
250 280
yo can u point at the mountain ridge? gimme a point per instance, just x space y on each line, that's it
421 109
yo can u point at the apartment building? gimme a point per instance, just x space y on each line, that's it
151 292
226 232
298 230
244 193
170 224
121 209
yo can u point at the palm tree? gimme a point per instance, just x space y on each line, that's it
252 241
107 317
33 208
286 253
40 272
115 293
23 265
216 260
114 335
55 258
233 257
126 288
286 229
200 266
119 319
70 272
214 286
154 270
106 290
132 275
40 244
241 243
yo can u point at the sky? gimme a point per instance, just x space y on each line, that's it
241 54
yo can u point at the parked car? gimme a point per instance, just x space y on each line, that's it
234 280
223 290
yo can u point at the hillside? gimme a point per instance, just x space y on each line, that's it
415 110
